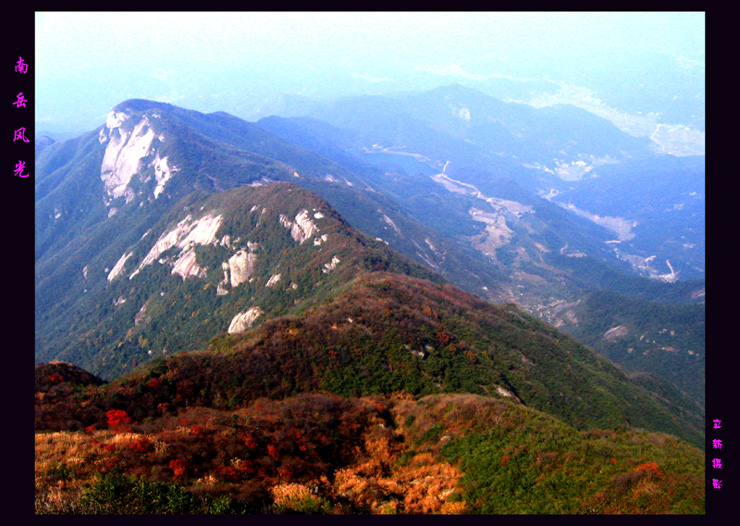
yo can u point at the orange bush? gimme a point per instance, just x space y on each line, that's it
650 468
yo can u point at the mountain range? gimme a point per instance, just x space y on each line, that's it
497 239
379 245
563 154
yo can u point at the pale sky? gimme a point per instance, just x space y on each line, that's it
87 62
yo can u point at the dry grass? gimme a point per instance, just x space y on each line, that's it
423 486
380 484
56 500
297 498
430 485
60 458
59 446
66 460
285 494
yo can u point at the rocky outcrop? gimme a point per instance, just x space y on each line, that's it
128 145
238 268
162 173
616 332
244 320
328 267
185 235
186 265
302 228
273 280
117 268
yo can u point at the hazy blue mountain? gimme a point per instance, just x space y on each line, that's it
562 153
107 199
664 197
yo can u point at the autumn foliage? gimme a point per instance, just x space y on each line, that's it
117 417
372 455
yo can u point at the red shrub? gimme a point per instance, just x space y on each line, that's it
178 467
196 430
250 442
117 417
227 473
141 446
118 420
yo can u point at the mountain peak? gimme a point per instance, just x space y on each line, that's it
140 105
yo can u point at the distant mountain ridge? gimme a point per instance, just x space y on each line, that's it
562 153
145 245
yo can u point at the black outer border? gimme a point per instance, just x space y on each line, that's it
18 40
